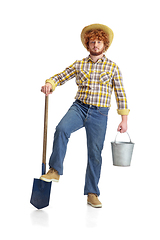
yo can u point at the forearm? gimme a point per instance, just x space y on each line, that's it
124 118
62 77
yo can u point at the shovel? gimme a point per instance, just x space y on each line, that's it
41 189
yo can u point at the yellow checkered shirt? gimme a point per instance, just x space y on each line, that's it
95 81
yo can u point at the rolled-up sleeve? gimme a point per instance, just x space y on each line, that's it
120 93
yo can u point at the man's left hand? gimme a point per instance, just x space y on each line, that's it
122 128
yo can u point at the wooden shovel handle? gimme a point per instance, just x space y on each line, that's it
45 130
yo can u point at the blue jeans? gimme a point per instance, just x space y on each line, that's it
94 119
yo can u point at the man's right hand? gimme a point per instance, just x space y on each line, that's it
47 89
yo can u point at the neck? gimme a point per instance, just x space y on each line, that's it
96 58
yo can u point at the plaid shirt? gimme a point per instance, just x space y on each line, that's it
95 81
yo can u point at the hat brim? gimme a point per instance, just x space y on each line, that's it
97 26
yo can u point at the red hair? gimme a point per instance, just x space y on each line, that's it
96 34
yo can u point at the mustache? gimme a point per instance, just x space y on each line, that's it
96 53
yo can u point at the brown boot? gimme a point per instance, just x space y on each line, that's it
52 175
93 200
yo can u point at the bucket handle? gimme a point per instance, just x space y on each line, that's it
125 132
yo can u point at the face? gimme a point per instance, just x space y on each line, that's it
96 47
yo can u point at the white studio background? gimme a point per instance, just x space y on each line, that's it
37 40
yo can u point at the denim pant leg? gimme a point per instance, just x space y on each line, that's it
71 122
95 126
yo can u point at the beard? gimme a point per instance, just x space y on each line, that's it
94 53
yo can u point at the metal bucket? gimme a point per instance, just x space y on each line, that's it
122 152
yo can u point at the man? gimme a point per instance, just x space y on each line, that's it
96 76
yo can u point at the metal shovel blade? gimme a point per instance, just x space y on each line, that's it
40 193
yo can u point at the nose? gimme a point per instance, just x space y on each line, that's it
95 43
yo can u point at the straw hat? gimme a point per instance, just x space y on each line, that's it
98 27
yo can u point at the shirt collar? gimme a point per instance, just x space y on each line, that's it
99 60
